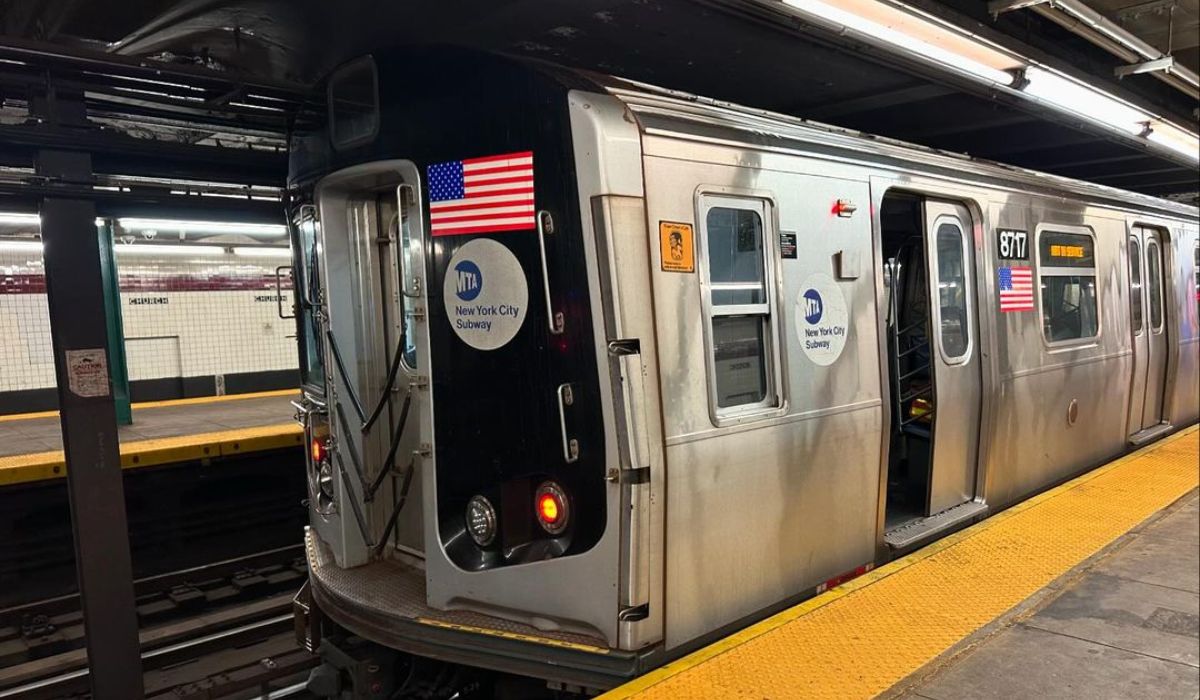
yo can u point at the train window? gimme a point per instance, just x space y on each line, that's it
1135 284
308 288
953 312
1154 280
408 264
1067 268
740 305
738 347
354 103
735 256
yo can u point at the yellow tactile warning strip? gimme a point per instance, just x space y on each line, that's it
517 636
168 402
19 469
863 637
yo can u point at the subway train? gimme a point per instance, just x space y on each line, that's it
597 372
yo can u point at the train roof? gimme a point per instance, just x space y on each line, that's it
683 114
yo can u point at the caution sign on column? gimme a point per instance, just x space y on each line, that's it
675 241
87 372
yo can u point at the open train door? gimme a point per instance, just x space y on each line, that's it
957 383
936 380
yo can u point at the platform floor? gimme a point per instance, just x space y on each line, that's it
1126 624
162 431
1088 591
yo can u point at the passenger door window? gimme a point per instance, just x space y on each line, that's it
954 312
741 305
1135 284
1154 279
1196 275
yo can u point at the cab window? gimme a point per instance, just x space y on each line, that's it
307 288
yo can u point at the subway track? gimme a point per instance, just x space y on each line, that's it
181 516
216 547
222 630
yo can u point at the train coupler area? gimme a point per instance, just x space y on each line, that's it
353 668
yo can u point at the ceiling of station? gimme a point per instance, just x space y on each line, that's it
739 50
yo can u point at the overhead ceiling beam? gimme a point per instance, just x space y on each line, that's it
880 100
1077 17
1141 174
118 154
24 197
51 56
969 125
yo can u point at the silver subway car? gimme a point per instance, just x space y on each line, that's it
597 372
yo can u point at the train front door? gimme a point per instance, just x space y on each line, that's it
1149 328
957 382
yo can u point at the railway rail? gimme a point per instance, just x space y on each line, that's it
216 631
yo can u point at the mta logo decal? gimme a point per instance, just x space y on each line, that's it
470 280
813 307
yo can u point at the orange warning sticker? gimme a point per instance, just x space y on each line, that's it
675 240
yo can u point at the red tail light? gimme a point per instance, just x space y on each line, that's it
552 508
318 451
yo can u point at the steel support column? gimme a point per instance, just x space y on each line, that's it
75 293
118 368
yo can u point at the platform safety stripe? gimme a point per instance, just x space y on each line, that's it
515 636
863 637
167 403
40 466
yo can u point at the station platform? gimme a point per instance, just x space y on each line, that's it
1089 590
162 432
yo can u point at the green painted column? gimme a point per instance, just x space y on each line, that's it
117 369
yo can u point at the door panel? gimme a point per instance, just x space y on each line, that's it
1137 316
1156 330
957 381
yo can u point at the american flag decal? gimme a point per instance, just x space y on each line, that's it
482 195
1016 289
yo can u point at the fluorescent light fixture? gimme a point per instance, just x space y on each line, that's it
211 227
20 246
246 252
161 249
13 218
1076 97
915 34
1175 139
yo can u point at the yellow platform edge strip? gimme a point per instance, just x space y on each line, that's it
40 466
515 636
1130 488
167 403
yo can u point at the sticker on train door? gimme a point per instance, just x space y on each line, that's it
822 320
675 241
485 294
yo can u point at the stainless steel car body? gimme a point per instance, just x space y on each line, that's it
715 516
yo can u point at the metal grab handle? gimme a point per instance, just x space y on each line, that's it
545 225
415 292
279 292
570 446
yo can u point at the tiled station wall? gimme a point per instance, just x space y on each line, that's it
188 320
